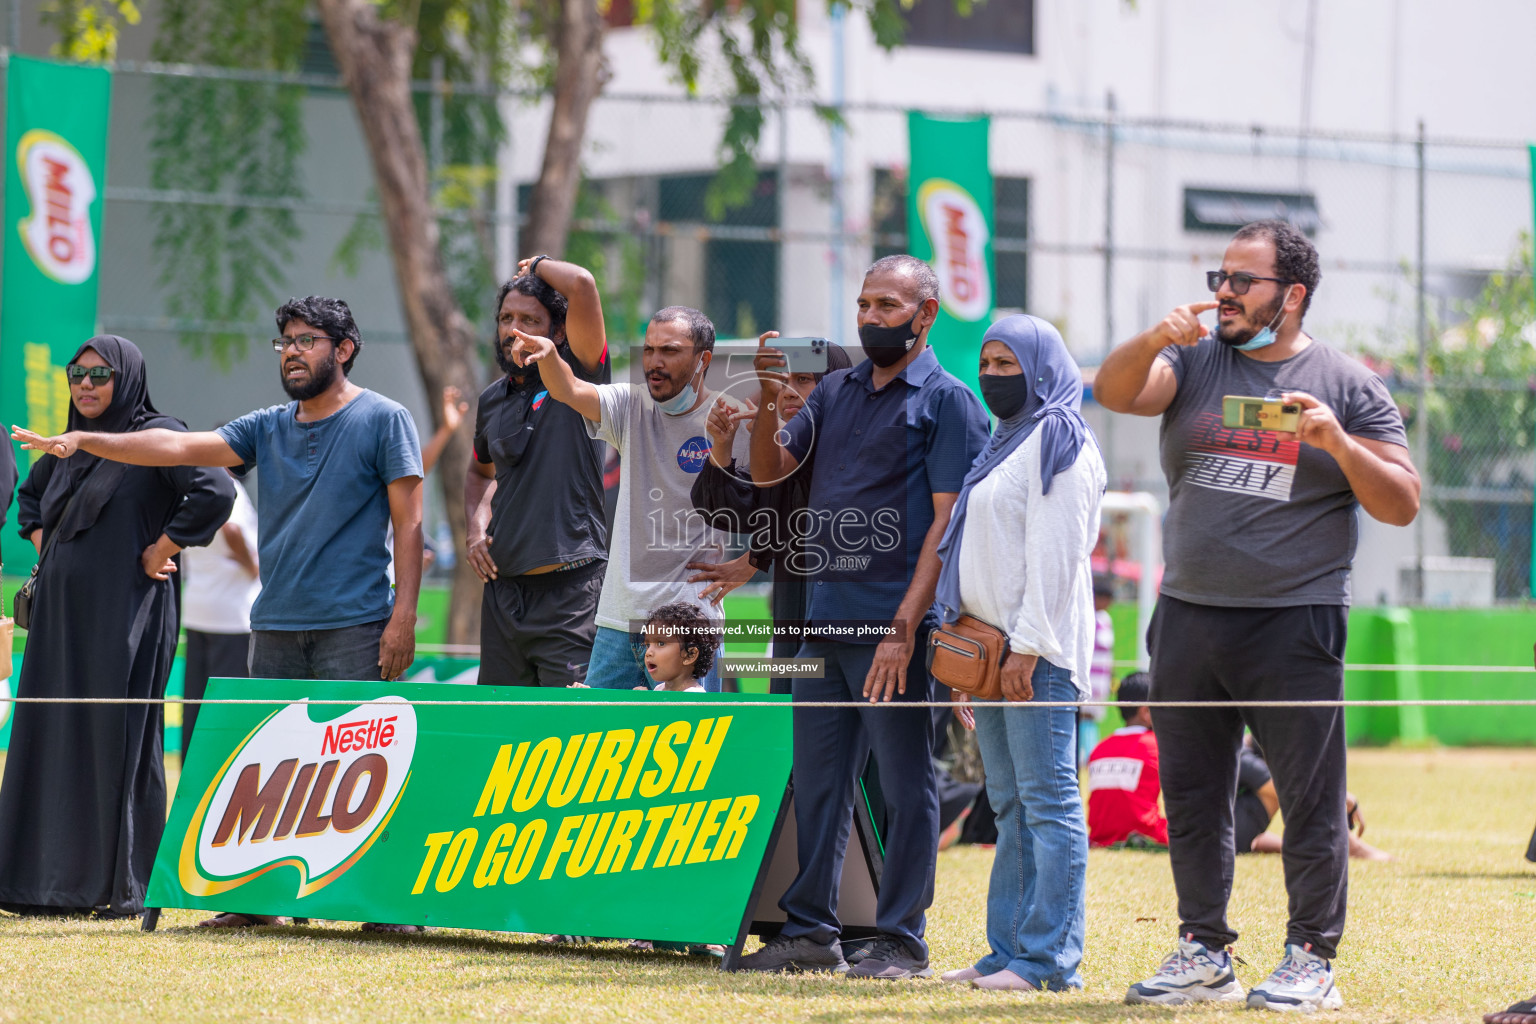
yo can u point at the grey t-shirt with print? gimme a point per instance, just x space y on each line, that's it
656 531
1258 519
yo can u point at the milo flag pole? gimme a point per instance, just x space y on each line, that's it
1532 854
55 172
949 224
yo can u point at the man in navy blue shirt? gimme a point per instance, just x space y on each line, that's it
892 439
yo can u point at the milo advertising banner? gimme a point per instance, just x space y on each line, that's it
949 224
647 820
56 165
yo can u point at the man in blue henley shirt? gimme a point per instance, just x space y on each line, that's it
892 439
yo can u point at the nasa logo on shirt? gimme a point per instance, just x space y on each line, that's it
691 456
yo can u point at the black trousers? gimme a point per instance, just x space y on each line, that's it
209 655
1204 653
538 630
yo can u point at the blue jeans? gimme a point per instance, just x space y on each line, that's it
618 663
351 652
831 748
1035 903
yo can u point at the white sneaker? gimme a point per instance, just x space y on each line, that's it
1191 974
1303 983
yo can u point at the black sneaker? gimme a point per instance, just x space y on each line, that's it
890 958
853 952
791 954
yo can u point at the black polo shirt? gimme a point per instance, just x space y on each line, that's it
880 458
548 505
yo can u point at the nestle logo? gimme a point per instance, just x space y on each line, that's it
360 735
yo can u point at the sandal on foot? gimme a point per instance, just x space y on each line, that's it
229 920
1523 1012
567 940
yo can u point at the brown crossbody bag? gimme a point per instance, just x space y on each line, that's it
967 655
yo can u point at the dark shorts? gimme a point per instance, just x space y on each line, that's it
538 630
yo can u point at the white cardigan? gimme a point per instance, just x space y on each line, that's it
1024 556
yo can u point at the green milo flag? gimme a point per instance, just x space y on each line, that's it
1533 524
949 224
56 167
648 820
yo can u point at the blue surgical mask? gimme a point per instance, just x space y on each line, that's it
682 401
1265 337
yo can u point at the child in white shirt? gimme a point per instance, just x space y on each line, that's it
680 646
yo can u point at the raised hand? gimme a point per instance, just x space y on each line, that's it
1183 326
62 446
764 363
530 349
724 420
454 407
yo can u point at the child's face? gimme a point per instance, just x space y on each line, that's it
666 660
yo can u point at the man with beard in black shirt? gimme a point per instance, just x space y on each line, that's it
534 493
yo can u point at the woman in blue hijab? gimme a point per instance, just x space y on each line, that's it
1016 556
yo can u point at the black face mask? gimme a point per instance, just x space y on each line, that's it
886 346
1005 395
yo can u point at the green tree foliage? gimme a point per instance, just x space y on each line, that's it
1481 405
87 29
225 263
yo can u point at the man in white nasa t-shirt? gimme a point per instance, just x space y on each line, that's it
662 550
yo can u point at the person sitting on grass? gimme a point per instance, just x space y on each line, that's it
680 646
1257 802
1523 1012
1123 783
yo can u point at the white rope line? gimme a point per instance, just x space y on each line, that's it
473 650
391 701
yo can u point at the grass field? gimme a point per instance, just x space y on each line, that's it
1445 932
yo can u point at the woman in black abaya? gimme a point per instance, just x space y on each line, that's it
82 804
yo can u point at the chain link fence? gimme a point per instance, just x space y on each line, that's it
229 191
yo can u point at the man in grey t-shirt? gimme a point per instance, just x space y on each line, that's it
662 550
1258 542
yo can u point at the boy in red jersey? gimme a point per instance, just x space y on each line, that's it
1123 784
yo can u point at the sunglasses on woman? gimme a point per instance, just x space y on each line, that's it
99 374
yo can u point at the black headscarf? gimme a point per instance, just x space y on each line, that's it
130 410
837 357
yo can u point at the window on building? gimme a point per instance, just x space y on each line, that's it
888 212
620 13
740 275
1225 210
1010 231
316 57
1010 237
1002 26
